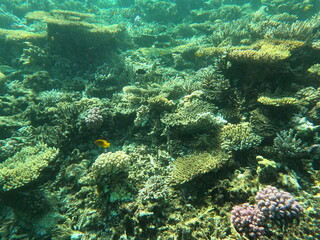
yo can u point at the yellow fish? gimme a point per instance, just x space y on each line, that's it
102 143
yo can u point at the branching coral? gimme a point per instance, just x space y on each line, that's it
299 30
193 114
288 144
265 51
213 82
238 137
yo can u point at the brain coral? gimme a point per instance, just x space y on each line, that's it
25 166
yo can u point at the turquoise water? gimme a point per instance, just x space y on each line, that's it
133 119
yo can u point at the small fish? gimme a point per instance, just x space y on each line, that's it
102 143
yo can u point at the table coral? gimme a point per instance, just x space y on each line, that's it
190 166
26 166
265 52
285 101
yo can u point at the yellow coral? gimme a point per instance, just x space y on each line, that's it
285 101
21 35
2 77
315 69
265 51
25 166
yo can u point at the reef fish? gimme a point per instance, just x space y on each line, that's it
102 143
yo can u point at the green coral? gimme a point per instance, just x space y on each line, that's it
192 114
25 166
190 166
240 136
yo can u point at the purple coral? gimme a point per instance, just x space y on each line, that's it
94 118
252 220
277 204
248 220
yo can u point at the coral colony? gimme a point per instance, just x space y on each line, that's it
272 204
94 119
152 119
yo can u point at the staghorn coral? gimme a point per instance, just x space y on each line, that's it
25 166
240 136
315 70
309 96
288 144
299 30
298 7
156 188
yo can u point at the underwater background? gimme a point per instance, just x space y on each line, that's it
169 119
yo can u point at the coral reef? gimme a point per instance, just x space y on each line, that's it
203 104
94 118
